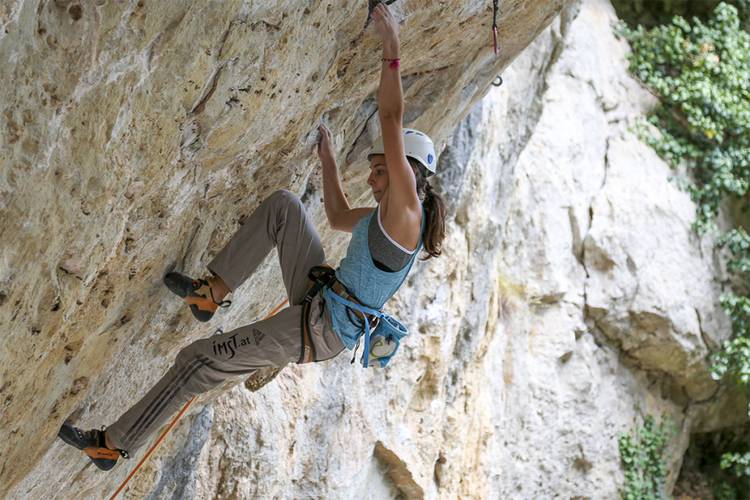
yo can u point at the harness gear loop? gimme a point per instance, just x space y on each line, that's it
307 352
320 277
354 353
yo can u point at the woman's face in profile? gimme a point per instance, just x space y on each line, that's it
378 179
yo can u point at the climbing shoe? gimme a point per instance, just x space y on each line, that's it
197 293
92 443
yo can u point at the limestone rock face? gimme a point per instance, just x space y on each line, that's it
571 299
135 135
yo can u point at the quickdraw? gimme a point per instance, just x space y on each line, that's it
494 24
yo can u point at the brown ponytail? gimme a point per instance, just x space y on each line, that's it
434 206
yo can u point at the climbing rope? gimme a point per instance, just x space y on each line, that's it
494 24
172 424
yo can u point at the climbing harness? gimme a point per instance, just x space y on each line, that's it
382 332
324 278
381 341
171 425
307 354
494 24
383 345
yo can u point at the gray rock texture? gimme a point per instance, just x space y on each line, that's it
572 298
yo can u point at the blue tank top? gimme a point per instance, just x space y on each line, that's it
372 286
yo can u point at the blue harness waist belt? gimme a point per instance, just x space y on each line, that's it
388 328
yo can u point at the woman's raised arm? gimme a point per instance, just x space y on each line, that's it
340 215
402 184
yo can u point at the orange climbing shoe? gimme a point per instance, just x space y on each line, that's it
93 444
197 293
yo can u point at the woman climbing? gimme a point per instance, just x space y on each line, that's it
340 307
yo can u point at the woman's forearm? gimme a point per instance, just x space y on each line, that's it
390 93
333 193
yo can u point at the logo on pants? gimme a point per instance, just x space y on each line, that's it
228 348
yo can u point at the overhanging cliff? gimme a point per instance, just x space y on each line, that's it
560 313
135 135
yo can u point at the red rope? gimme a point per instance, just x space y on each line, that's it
171 425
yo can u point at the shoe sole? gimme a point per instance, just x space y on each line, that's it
68 435
182 286
178 284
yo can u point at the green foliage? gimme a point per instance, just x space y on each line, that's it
738 464
734 357
642 456
738 243
652 12
700 72
724 491
743 8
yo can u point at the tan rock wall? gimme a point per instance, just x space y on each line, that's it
513 387
134 137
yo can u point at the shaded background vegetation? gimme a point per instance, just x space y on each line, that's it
650 13
694 55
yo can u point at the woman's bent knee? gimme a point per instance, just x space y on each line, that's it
285 197
189 353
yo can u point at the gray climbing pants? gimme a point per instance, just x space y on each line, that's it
280 221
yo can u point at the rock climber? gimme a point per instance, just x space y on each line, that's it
328 310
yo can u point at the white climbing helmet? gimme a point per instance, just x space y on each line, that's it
417 145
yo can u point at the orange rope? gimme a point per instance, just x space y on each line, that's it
276 309
172 424
151 450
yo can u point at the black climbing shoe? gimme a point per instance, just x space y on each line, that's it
197 293
92 443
